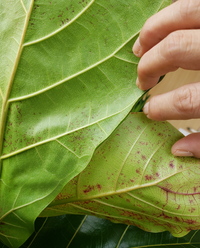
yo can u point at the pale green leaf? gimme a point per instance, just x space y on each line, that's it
134 179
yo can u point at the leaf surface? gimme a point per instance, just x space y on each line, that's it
67 79
72 231
134 179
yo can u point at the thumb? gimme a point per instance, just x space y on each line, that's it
187 146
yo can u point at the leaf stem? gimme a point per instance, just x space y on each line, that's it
6 103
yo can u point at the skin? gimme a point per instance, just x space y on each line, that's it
170 40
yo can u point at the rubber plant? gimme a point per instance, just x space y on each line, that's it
69 142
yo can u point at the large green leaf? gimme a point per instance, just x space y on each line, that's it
134 179
67 80
72 231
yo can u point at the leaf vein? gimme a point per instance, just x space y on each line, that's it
76 231
60 29
70 77
61 135
115 189
68 148
125 60
37 233
22 3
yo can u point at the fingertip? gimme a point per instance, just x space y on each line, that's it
182 153
187 146
137 48
146 109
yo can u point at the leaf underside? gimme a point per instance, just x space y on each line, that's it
67 81
134 179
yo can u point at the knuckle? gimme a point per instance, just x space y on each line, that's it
171 45
176 45
184 100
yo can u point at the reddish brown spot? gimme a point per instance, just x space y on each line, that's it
190 222
138 171
89 188
157 174
128 200
132 180
179 206
177 219
130 214
143 157
171 165
148 177
99 187
86 202
165 216
192 210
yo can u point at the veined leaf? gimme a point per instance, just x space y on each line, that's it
72 231
67 80
134 179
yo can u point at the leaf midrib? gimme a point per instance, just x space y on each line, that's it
123 191
5 102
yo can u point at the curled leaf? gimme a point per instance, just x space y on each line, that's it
134 179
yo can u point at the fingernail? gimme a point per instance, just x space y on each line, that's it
146 109
138 83
137 48
181 153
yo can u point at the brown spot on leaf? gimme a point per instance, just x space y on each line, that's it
99 187
177 219
190 222
144 157
148 177
171 165
88 189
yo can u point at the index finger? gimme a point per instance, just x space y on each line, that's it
183 14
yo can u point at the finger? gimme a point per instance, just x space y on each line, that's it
178 49
180 104
187 146
184 14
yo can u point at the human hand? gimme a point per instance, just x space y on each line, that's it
168 40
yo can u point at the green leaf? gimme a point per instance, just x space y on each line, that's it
72 231
134 179
67 80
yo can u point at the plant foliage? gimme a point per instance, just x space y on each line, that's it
67 81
